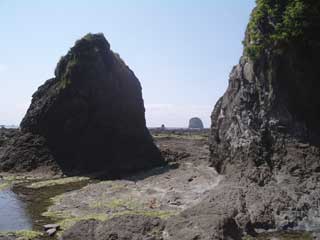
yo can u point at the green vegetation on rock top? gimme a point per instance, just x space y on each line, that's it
277 22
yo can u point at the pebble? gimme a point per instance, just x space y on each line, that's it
49 226
51 231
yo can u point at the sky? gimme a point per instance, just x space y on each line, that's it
182 51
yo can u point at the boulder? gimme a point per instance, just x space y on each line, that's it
50 226
118 228
195 123
89 117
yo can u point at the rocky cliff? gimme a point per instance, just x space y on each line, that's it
265 134
269 115
89 117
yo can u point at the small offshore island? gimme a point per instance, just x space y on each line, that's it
83 164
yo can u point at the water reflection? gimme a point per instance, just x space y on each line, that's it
12 212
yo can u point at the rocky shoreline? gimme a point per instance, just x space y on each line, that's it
149 205
254 175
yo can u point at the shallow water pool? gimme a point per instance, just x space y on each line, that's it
13 216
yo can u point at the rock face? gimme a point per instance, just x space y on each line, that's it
268 117
26 152
119 228
6 135
195 123
90 117
265 134
265 130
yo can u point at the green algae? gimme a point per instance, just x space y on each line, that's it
180 136
23 234
119 207
10 180
40 195
116 203
54 182
67 221
39 199
4 186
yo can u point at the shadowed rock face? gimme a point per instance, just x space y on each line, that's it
91 115
195 123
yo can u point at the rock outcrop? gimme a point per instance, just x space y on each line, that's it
265 134
195 123
118 228
267 121
89 117
6 134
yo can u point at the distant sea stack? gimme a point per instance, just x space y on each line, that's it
89 117
195 123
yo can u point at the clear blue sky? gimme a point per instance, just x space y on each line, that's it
181 50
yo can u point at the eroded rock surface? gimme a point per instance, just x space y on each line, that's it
89 117
162 192
124 227
187 198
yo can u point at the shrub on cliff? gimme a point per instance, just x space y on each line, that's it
275 23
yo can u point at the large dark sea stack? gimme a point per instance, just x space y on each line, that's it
265 133
90 117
